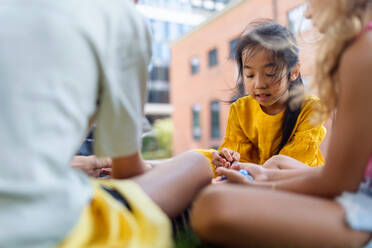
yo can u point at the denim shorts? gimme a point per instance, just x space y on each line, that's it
358 208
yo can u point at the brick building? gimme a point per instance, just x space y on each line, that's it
203 73
168 20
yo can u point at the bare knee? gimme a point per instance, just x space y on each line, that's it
208 216
196 163
196 158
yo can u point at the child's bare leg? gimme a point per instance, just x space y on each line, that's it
237 216
175 182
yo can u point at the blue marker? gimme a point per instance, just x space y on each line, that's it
244 173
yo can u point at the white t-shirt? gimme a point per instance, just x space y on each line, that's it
57 58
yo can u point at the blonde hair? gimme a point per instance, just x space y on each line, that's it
342 22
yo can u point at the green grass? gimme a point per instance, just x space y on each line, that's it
188 239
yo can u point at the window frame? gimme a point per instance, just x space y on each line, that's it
210 53
196 122
215 123
194 67
232 48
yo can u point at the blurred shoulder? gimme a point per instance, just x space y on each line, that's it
310 102
356 61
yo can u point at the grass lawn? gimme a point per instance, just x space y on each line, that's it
188 239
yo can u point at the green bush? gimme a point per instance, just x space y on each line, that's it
158 145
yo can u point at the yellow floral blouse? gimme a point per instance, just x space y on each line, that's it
256 135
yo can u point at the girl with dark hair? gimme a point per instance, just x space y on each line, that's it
275 117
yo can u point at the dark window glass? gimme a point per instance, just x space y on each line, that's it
159 73
232 47
212 58
196 130
215 120
158 96
194 63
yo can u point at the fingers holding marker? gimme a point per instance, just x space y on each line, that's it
234 176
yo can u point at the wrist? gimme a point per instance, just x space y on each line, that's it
128 166
271 174
79 162
273 186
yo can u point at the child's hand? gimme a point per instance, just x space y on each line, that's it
106 171
92 165
258 172
232 175
218 180
224 158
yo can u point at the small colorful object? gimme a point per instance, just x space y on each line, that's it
244 173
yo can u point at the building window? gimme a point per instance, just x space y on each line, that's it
297 22
194 63
167 30
180 29
159 73
158 91
174 31
158 30
212 55
232 47
158 96
165 52
157 50
215 120
196 130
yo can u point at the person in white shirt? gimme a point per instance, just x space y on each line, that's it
57 59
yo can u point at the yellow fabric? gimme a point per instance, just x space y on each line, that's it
256 135
106 222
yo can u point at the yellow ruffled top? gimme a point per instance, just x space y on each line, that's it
257 135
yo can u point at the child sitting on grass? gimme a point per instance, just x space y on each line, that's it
267 122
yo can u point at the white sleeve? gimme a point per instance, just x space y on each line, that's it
123 88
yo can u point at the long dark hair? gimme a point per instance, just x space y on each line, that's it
279 43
